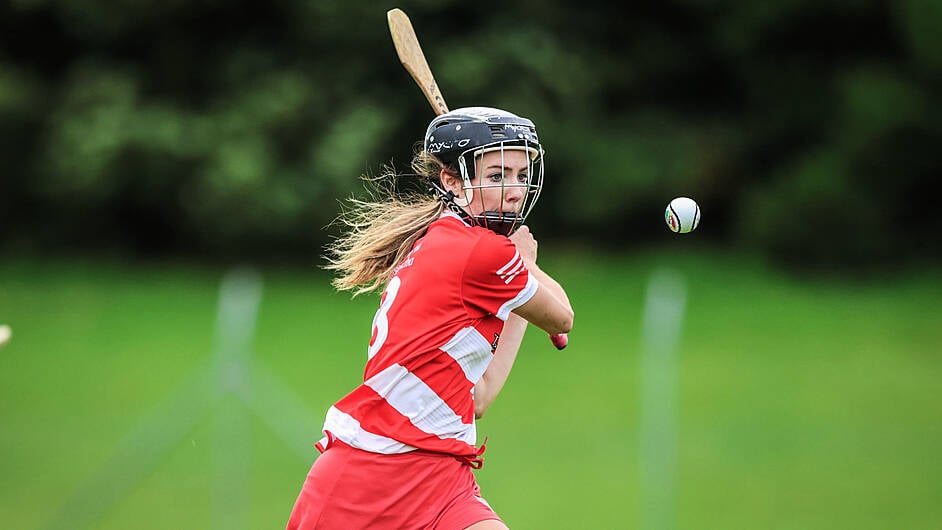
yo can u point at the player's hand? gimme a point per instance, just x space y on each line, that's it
526 244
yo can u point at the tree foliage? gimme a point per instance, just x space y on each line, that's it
806 130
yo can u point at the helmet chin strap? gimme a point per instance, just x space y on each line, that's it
448 197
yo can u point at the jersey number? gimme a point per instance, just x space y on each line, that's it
380 321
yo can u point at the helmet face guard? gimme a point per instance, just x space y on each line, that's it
461 138
528 180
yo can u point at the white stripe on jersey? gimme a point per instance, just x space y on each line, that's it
345 427
525 295
512 273
409 395
500 271
471 351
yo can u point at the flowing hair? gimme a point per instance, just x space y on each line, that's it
381 230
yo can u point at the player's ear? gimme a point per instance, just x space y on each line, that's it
450 181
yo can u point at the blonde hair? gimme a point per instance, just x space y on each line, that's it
381 230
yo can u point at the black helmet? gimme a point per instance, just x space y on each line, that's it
456 137
455 132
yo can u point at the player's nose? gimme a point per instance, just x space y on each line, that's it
513 194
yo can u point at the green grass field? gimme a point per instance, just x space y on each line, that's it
801 405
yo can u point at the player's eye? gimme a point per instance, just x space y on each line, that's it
496 178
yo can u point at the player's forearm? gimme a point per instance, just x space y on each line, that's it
498 370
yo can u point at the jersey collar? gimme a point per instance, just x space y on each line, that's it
448 213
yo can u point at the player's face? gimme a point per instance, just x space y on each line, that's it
500 181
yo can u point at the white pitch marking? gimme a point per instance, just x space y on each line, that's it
662 325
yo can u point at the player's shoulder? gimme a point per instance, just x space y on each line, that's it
448 239
484 257
493 253
451 240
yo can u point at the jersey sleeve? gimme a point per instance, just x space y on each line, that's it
496 281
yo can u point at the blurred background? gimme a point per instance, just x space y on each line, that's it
171 170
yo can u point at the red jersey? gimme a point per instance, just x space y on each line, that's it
434 334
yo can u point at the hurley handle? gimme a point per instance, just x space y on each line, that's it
560 340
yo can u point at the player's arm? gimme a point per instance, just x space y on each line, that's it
549 308
497 371
546 311
514 279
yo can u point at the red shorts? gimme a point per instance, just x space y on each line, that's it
348 488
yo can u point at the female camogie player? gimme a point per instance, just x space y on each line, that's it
460 283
